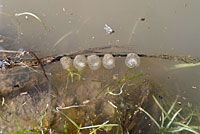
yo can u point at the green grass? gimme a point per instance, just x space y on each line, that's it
25 132
171 122
121 82
33 15
95 127
185 65
72 74
16 124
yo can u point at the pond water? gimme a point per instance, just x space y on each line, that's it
50 99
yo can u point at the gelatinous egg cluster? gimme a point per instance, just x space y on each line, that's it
132 60
66 62
108 61
80 62
94 62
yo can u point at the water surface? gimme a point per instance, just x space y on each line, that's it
168 27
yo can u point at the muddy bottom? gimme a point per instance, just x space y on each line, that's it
24 96
78 104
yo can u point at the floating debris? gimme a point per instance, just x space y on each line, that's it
94 62
3 64
194 87
132 60
108 61
21 53
73 106
3 101
15 60
33 15
142 19
79 62
185 65
115 94
108 29
66 62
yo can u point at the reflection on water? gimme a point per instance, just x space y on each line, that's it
71 99
169 27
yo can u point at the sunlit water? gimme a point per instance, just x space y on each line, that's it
170 27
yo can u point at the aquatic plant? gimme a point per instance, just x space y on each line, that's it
33 15
130 78
62 38
97 127
185 65
171 122
115 94
15 123
74 73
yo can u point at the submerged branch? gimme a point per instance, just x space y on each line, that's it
97 51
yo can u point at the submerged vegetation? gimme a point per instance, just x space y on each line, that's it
72 74
101 97
93 128
70 125
179 66
172 121
126 94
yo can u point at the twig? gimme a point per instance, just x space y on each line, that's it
9 51
111 93
3 101
112 104
38 60
73 106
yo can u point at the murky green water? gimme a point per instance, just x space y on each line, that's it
31 103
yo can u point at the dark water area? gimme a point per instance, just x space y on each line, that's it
48 99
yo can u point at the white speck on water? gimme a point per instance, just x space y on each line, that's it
108 29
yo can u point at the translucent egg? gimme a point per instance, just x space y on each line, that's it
132 60
94 62
108 61
79 62
66 62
